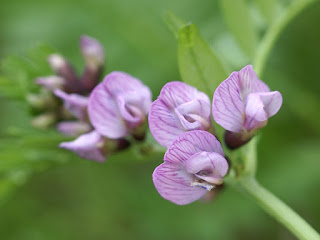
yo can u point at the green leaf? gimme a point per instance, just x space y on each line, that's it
267 9
237 16
198 64
174 23
17 73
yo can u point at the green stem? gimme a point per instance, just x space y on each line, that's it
274 31
279 210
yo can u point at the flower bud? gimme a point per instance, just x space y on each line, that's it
64 69
73 128
93 53
51 82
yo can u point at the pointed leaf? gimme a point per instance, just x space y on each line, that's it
198 64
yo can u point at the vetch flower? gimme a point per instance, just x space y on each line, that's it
89 146
118 106
242 104
193 165
179 108
93 146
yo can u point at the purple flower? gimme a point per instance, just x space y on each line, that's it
118 106
193 164
74 103
179 108
242 103
89 146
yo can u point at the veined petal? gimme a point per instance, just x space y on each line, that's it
176 93
227 105
75 103
163 123
118 83
174 184
104 113
190 143
249 82
208 166
87 146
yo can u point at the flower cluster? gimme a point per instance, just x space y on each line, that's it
180 119
101 115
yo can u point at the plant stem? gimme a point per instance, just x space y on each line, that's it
274 32
278 209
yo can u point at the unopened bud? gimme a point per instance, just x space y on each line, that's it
51 82
73 128
64 69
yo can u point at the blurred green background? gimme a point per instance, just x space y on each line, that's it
117 200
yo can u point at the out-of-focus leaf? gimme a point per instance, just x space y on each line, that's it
174 23
198 64
267 9
237 17
17 73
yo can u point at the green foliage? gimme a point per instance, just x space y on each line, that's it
198 64
17 73
240 23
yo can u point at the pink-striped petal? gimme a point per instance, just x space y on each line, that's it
190 143
88 146
104 114
118 104
227 105
174 184
250 83
173 94
163 123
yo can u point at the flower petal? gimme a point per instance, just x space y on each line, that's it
174 184
164 124
189 143
176 93
75 103
194 115
261 106
73 128
227 105
87 146
208 166
250 83
117 83
104 114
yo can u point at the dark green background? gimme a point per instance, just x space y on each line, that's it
117 200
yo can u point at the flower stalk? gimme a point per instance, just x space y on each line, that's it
277 209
